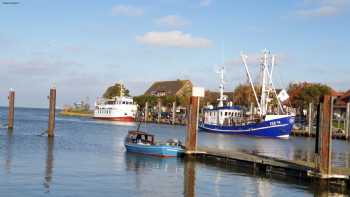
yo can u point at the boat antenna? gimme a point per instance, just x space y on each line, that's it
272 85
244 59
222 97
121 89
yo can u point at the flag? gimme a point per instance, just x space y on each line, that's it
283 95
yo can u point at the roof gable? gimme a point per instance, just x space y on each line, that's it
169 87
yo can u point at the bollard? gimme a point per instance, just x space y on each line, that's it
347 120
146 111
326 135
11 109
174 112
52 111
310 118
159 111
192 117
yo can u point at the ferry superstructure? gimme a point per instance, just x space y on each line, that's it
119 108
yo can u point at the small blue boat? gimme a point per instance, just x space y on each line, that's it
143 143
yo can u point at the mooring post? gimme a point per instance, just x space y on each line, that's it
146 112
11 109
310 118
52 112
347 120
173 112
326 135
159 110
192 123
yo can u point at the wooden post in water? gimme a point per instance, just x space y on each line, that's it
11 109
159 110
174 112
192 117
326 136
310 118
146 112
347 120
52 112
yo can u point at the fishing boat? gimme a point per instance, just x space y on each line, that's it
144 143
119 108
229 119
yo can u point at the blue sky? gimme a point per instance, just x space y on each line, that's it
84 46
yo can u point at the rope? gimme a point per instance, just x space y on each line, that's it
41 134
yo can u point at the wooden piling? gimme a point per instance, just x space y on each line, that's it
52 112
173 112
146 112
192 126
347 120
159 111
310 118
326 136
11 109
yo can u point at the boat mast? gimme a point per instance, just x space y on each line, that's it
121 90
244 59
265 89
272 85
221 87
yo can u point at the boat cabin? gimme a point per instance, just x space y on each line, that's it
222 115
139 137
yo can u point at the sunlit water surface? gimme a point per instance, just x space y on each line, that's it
87 158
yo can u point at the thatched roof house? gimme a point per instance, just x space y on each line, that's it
170 88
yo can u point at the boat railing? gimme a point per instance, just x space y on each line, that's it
241 121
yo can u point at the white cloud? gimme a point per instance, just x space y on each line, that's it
204 2
172 21
126 10
173 39
322 8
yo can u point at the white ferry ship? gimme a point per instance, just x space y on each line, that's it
119 108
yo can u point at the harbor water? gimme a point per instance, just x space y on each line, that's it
87 158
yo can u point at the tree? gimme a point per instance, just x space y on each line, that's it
243 95
142 99
114 90
301 94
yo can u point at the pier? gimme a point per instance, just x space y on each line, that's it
320 171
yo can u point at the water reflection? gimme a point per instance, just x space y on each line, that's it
158 176
189 178
49 164
141 163
9 142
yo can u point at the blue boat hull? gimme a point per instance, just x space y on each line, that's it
155 150
277 128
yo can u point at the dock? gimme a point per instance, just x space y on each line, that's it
319 171
268 165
